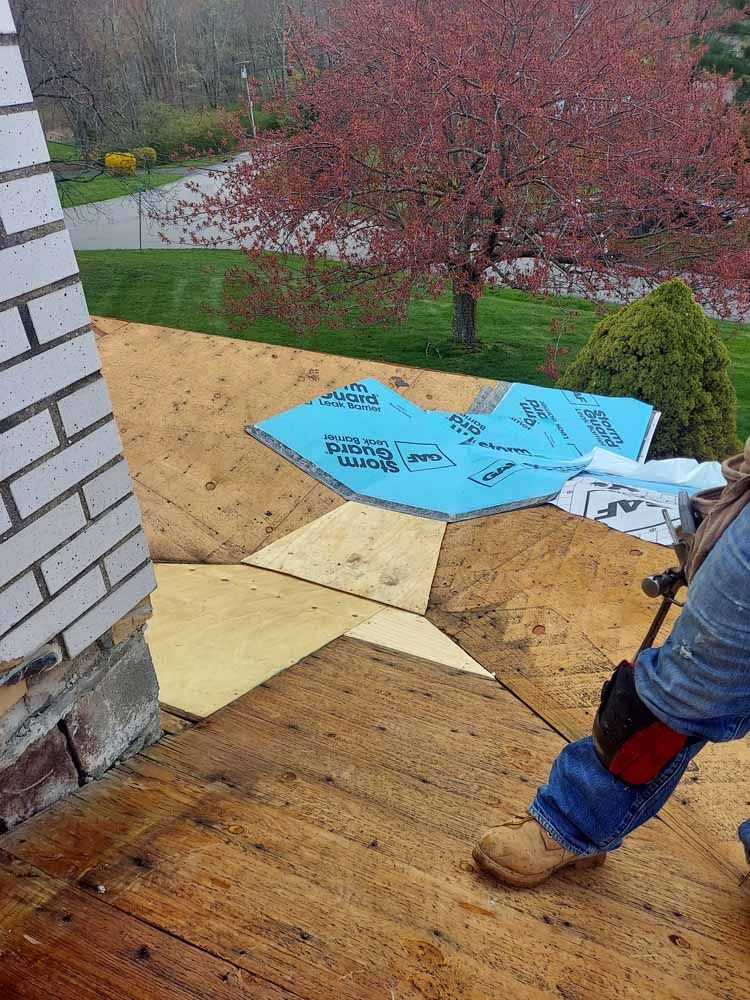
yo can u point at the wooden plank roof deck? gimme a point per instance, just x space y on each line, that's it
312 840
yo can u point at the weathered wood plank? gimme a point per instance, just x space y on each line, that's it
60 943
316 833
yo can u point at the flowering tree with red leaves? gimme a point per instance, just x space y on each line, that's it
567 144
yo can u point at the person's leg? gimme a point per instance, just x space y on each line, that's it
698 683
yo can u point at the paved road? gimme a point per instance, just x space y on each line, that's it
114 225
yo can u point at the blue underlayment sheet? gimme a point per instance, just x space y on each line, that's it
369 443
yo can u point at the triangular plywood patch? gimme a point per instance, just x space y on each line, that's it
405 632
219 631
379 554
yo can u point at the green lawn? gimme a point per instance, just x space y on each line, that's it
64 152
106 186
183 288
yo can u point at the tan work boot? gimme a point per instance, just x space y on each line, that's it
521 853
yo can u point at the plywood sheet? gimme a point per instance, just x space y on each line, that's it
555 670
543 557
209 492
218 631
316 835
379 554
405 632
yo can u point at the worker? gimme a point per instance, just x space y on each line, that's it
655 715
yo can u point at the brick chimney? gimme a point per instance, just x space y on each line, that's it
77 686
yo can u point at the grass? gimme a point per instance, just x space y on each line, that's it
63 152
106 186
184 288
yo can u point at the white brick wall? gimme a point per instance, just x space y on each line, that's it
59 313
126 558
14 87
21 141
73 558
107 488
115 606
47 373
6 19
91 544
13 339
25 547
35 489
18 599
52 617
84 407
5 521
27 441
29 202
39 262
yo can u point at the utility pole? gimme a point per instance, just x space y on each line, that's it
250 112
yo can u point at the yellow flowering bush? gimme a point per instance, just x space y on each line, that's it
120 163
145 156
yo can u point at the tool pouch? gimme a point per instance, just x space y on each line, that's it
628 738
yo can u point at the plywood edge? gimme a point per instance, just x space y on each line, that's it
104 325
405 632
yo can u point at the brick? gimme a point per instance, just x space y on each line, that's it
84 407
58 313
47 373
7 27
29 202
22 142
115 606
40 538
90 545
65 469
14 87
107 488
120 714
36 263
18 600
13 339
54 616
126 558
26 442
40 776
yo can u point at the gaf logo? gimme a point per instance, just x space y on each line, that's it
580 398
418 456
493 475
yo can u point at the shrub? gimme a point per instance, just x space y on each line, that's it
170 130
145 156
120 163
665 351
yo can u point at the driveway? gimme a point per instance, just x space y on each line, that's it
114 224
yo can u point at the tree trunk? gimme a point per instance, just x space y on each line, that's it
464 317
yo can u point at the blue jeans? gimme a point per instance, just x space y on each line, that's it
698 683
